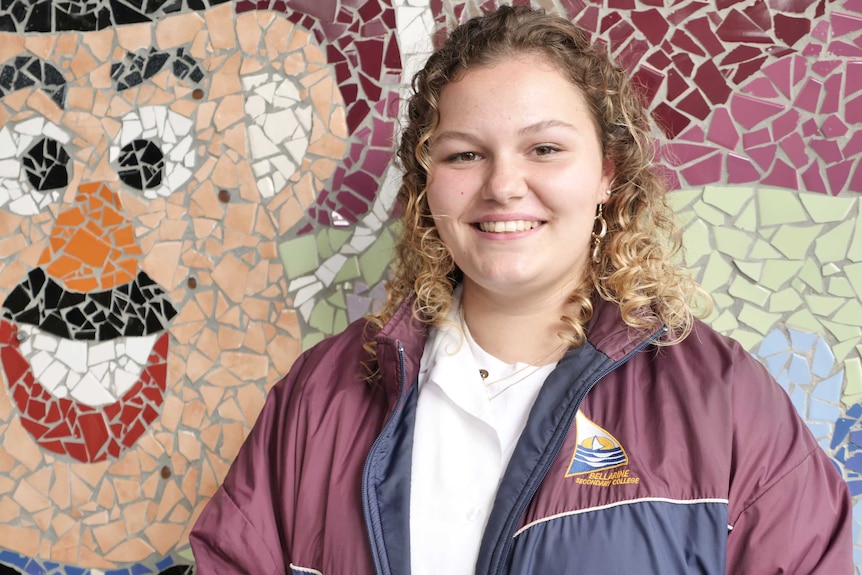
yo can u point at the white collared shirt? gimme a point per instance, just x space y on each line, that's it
464 437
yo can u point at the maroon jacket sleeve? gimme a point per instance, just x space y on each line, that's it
790 510
239 530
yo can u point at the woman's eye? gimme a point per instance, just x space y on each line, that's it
463 157
46 165
546 150
142 165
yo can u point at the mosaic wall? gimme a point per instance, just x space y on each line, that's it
193 191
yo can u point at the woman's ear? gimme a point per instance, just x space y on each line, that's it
605 190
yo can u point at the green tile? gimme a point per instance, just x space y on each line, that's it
729 200
722 300
798 285
375 261
732 242
853 376
840 286
337 299
777 206
849 313
709 214
757 318
311 339
680 200
832 245
349 271
751 269
854 274
339 323
842 349
299 256
324 248
716 274
842 332
823 305
786 300
695 240
804 320
776 273
810 274
795 241
749 339
725 323
829 269
744 289
747 220
321 317
854 252
763 250
824 208
338 237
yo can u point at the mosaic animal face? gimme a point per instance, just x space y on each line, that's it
142 190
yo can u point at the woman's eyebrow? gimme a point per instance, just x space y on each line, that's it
544 125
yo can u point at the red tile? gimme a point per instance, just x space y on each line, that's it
739 28
651 24
789 29
712 83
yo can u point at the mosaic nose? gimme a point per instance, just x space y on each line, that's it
83 344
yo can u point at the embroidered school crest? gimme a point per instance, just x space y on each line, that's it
596 451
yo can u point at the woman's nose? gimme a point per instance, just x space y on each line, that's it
505 180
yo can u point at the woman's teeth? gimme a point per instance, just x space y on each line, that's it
508 226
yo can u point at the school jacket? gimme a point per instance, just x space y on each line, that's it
635 460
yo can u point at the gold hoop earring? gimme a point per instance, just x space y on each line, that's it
598 237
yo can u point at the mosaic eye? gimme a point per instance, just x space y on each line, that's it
45 164
142 165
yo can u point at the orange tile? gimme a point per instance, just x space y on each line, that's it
88 248
83 284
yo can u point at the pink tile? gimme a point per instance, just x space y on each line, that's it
800 69
828 150
783 176
824 67
837 175
750 111
853 5
812 49
845 24
693 134
809 96
761 87
681 154
763 156
844 49
779 73
853 146
821 30
740 170
722 130
853 110
809 128
856 182
833 127
853 77
794 147
813 180
784 124
832 99
756 138
704 172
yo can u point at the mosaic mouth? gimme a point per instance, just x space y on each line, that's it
87 371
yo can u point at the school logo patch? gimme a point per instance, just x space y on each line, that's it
598 452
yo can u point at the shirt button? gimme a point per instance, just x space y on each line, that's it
474 514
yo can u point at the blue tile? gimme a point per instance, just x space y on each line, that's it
14 559
799 372
799 399
856 437
854 462
822 411
802 341
824 359
774 342
855 487
854 411
777 362
821 430
139 569
830 389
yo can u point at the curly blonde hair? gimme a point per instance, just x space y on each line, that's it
635 267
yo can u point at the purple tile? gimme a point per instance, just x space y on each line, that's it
779 73
740 170
761 88
837 175
809 128
659 60
782 176
684 42
832 99
785 124
669 120
681 154
813 180
701 29
759 14
681 13
704 172
853 146
790 29
739 28
794 147
750 111
856 181
741 53
833 127
853 110
809 96
763 156
844 24
651 24
827 149
745 70
756 138
647 82
722 130
853 78
711 81
695 105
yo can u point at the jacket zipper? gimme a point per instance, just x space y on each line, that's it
562 432
373 528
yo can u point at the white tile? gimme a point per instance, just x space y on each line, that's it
73 353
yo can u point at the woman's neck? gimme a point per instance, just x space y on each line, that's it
515 329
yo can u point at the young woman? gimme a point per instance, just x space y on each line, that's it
536 396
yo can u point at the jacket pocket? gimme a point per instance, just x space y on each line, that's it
296 570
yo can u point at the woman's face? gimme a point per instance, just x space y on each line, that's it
517 172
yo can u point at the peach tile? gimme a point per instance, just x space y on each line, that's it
277 36
230 338
251 66
212 396
314 55
43 519
151 485
283 351
128 465
65 549
299 39
197 365
246 366
109 536
29 498
161 263
229 112
106 495
221 465
92 473
167 442
224 173
190 313
163 536
12 45
133 38
24 539
188 445
40 480
241 217
225 80
59 492
205 202
9 509
256 308
98 518
230 275
171 495
213 248
254 339
208 344
138 515
233 435
92 559
251 399
220 25
20 445
193 413
222 378
229 411
41 45
131 551
62 523
128 490
248 32
175 31
210 436
231 316
179 516
82 64
173 230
